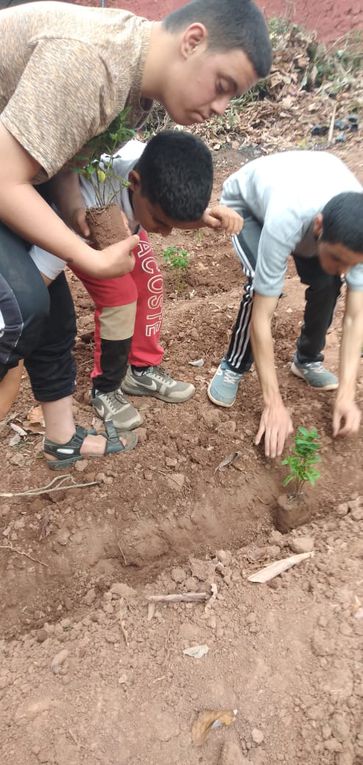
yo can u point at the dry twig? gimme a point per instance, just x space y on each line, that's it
59 480
182 597
20 552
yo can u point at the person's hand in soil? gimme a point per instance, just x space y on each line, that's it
223 218
346 418
276 425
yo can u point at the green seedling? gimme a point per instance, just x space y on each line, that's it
99 172
302 460
178 260
176 257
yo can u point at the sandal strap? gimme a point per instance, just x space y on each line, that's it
70 449
113 443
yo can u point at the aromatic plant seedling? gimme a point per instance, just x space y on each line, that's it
106 184
303 459
177 258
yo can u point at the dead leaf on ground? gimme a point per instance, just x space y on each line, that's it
278 567
34 421
228 460
196 651
210 720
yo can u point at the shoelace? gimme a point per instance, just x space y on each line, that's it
113 398
231 377
316 366
158 373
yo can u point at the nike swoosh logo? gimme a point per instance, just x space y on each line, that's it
151 385
100 410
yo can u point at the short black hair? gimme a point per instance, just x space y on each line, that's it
176 172
343 220
231 24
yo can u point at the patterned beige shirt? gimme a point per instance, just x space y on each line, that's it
66 72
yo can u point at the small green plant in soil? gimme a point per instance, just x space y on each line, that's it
177 258
302 460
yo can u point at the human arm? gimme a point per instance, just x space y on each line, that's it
65 192
275 423
24 211
346 415
223 218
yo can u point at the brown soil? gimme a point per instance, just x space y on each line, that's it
292 511
106 225
88 674
330 20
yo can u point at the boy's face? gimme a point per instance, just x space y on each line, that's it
335 259
150 216
200 83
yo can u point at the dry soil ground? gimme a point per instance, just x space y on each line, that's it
89 675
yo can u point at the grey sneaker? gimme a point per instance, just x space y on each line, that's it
114 406
155 381
315 374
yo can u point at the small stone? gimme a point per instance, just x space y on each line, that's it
62 536
59 660
357 514
355 503
272 551
251 618
178 575
81 466
302 544
326 732
122 590
224 556
42 635
342 509
321 645
148 475
227 428
90 597
257 736
333 745
141 434
276 538
340 727
171 462
176 481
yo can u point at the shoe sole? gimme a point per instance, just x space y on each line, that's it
130 424
296 371
155 394
215 400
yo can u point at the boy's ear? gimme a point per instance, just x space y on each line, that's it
134 180
194 36
318 225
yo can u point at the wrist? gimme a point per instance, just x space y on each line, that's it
345 393
272 398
